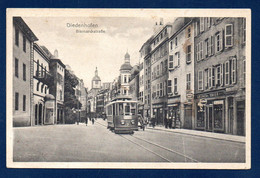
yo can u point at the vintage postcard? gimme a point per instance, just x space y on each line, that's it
128 88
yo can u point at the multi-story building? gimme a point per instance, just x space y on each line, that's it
43 105
220 74
57 70
181 73
141 88
95 87
159 74
23 39
125 75
146 59
134 89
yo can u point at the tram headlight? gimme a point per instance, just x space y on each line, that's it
132 122
122 122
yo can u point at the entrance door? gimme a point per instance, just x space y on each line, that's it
36 115
188 117
209 118
58 116
40 114
241 118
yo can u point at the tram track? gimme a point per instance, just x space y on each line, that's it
166 154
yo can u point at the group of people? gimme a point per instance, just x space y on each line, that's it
90 119
169 121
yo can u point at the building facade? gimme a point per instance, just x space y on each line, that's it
159 72
23 39
57 69
220 75
181 73
92 99
43 103
134 87
125 75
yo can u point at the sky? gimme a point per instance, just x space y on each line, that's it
83 52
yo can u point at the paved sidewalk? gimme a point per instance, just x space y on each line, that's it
234 138
228 137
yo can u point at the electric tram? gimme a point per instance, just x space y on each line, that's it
122 115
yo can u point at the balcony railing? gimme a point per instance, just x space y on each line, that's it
44 77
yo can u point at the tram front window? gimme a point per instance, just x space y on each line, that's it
133 109
127 109
121 111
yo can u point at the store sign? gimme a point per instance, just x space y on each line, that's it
218 102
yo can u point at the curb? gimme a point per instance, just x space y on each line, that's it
230 140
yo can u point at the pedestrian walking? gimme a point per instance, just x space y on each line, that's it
86 121
93 121
170 120
166 121
153 121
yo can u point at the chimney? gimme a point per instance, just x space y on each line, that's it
161 21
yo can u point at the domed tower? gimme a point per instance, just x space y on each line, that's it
96 82
125 74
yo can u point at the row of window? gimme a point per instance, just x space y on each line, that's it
175 85
17 102
147 99
219 75
160 37
141 80
175 42
140 97
214 44
40 69
16 73
159 90
43 88
159 70
17 39
126 78
159 53
174 60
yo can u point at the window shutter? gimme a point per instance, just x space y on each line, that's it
227 73
229 35
221 40
233 71
209 46
221 74
202 83
201 50
201 24
212 45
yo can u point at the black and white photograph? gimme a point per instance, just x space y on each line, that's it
129 88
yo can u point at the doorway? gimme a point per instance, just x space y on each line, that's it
209 119
188 117
36 115
40 114
241 118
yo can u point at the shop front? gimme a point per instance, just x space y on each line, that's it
159 111
210 115
220 111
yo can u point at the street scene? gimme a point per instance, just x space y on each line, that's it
96 89
94 143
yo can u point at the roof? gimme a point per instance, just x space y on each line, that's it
49 97
126 66
127 55
25 28
96 78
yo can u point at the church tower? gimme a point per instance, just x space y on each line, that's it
96 82
125 74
